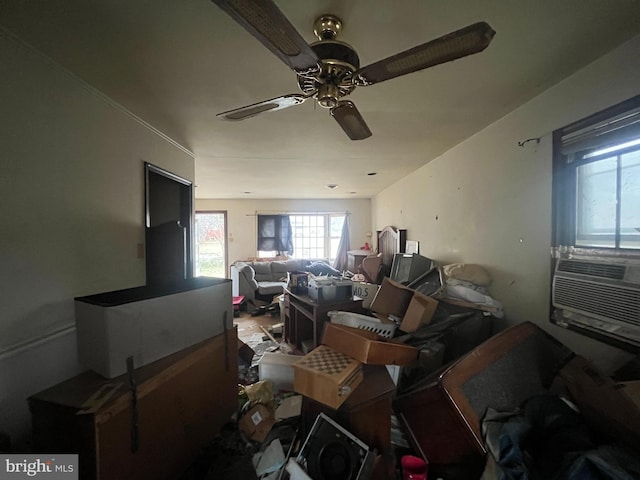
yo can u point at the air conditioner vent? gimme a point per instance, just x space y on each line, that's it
601 270
597 299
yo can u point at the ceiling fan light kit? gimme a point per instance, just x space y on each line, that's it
329 69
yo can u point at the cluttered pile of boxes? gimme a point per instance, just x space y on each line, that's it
342 391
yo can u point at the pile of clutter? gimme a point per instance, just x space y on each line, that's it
404 324
271 409
468 283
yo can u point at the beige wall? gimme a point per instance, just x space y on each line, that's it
488 201
241 219
72 215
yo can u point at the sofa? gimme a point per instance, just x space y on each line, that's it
256 280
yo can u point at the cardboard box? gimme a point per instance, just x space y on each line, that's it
278 369
367 347
419 312
392 299
327 376
412 308
365 291
257 422
606 405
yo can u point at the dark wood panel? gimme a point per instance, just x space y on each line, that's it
183 400
367 411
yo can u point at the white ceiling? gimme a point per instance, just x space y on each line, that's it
178 63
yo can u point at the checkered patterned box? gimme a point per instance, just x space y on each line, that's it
327 376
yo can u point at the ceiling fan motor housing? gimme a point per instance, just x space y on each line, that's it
339 61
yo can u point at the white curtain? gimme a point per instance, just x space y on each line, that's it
340 263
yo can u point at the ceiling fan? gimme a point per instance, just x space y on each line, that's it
329 69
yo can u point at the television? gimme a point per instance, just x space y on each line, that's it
406 267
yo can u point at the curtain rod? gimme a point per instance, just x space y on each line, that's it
280 212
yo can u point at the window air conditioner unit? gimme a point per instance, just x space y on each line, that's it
600 295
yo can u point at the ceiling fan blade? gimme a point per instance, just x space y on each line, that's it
349 118
254 109
263 20
466 41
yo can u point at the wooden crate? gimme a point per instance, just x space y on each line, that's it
327 376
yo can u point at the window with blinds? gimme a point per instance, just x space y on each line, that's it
596 180
596 226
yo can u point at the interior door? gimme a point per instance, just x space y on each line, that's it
168 226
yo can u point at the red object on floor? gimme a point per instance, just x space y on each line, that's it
413 468
237 301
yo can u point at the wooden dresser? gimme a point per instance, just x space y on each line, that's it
182 401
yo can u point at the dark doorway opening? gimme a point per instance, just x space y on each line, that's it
168 226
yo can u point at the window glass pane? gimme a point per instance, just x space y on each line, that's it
630 200
336 225
313 235
596 203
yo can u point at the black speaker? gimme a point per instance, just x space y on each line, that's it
332 453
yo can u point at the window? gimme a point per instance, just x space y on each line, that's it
316 236
607 181
211 241
597 180
596 226
313 235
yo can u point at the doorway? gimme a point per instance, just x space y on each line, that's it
168 226
211 244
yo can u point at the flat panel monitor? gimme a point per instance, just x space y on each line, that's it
407 267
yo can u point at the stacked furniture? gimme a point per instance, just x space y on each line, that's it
181 402
162 381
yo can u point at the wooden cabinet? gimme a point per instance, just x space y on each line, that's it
182 401
305 318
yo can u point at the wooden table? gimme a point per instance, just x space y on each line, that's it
304 318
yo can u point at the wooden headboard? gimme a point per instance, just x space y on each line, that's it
391 240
